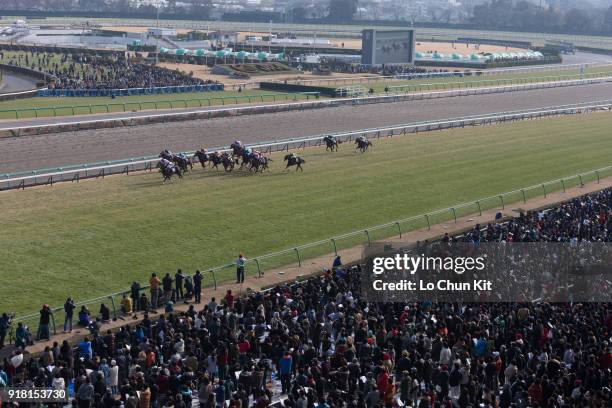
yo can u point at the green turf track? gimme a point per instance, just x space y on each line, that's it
96 237
88 105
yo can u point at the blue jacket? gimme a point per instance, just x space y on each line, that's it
285 364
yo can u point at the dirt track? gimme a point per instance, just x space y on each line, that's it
61 149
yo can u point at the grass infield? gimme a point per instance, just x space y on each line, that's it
96 237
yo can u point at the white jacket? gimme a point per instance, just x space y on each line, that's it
113 376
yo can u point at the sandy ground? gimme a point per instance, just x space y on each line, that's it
291 273
460 48
60 149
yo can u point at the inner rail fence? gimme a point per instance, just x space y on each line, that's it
131 119
294 256
75 173
75 110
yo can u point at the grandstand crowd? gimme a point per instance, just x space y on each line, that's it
80 71
324 347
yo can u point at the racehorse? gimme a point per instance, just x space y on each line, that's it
293 160
168 172
184 163
362 144
259 163
224 159
331 143
238 151
203 157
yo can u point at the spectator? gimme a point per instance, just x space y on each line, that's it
178 281
5 322
84 316
43 325
104 313
85 349
229 299
337 262
69 307
167 287
135 294
22 336
126 305
197 286
240 263
154 283
286 369
85 394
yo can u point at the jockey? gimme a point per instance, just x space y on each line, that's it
256 153
248 151
167 164
182 156
238 143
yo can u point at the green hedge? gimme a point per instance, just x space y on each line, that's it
282 87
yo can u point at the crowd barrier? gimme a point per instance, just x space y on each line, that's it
68 125
294 256
129 91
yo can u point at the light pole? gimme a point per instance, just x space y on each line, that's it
270 37
157 36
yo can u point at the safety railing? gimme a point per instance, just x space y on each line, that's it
74 110
75 173
294 256
424 87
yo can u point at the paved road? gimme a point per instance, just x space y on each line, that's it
60 149
16 83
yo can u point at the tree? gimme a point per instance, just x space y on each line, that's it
608 21
342 10
201 8
577 20
298 13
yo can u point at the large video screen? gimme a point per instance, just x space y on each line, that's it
387 47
